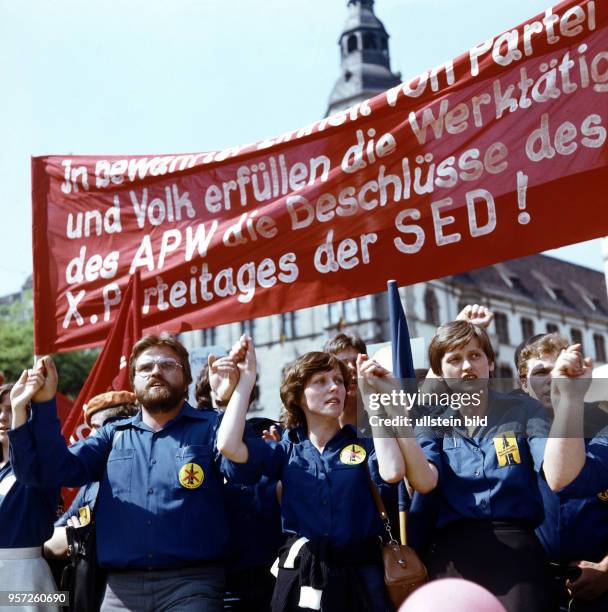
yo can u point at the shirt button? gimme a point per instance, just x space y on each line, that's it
153 461
475 449
477 473
484 503
150 491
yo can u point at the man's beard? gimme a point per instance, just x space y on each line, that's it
162 398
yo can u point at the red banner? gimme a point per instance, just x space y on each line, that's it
111 368
495 155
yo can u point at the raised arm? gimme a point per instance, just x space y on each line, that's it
48 461
565 450
230 433
398 451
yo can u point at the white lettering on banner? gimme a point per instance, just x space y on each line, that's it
205 285
78 271
345 256
79 225
558 76
359 155
506 47
422 177
73 302
481 217
159 210
265 181
542 145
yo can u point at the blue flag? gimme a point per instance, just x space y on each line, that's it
403 362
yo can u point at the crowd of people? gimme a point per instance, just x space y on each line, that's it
200 508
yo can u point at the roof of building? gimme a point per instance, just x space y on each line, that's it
544 282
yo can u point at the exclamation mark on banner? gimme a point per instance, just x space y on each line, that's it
522 185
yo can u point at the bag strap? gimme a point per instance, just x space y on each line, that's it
380 507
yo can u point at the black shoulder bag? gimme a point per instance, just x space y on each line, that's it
83 577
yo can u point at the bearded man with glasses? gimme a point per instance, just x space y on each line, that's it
161 526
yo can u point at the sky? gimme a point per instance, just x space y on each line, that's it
152 76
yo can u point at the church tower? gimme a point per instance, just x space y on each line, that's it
365 63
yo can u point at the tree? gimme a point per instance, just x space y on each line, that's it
17 348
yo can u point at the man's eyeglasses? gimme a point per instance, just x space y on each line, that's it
166 365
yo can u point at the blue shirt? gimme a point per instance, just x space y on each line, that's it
26 513
254 516
160 500
594 475
574 529
494 474
86 497
324 494
576 524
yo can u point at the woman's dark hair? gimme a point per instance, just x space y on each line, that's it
4 390
453 335
295 378
202 390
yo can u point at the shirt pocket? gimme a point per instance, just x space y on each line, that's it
193 465
300 477
119 469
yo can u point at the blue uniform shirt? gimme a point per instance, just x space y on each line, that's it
160 500
493 475
594 475
254 516
324 494
576 528
26 513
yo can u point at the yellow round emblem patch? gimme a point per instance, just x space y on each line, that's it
603 495
191 476
353 454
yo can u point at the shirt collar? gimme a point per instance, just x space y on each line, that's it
187 411
299 435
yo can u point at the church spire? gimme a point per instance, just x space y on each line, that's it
364 58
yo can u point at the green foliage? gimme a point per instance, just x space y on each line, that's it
17 349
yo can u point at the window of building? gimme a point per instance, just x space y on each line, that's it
365 305
577 336
431 307
334 312
351 311
369 41
503 379
527 328
352 43
600 347
502 327
289 325
208 336
552 328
